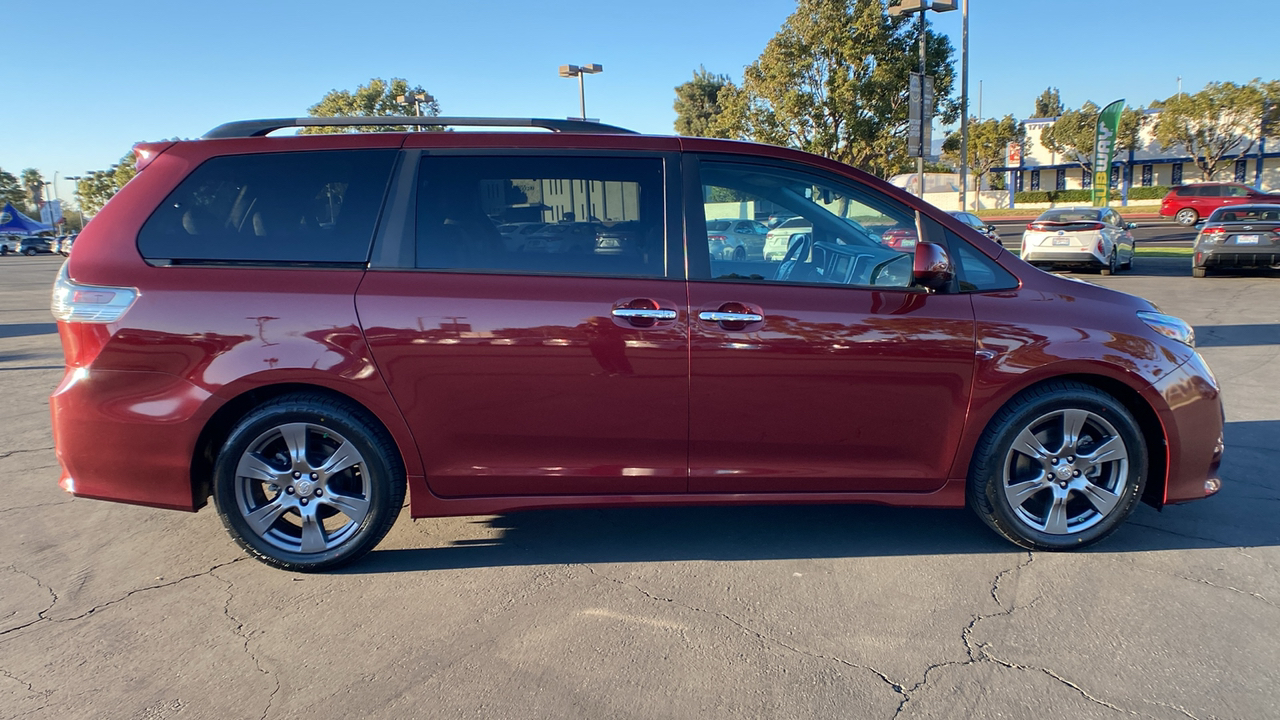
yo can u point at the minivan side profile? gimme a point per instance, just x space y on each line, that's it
306 328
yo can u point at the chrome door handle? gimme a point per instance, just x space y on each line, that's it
644 314
718 316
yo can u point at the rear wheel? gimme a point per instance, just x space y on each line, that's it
1187 217
1060 467
307 482
29 252
1110 267
740 253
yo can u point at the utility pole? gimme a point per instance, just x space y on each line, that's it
921 89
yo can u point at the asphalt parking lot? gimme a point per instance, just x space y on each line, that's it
114 611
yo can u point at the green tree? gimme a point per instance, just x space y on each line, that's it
95 188
11 191
1220 122
698 104
1049 104
376 99
988 141
1074 133
833 81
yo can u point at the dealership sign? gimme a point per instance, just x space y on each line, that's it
1104 150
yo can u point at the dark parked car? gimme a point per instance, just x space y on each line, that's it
36 245
305 327
1238 237
1189 203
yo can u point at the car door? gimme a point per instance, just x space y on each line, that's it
558 370
805 376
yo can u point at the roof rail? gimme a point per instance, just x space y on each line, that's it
257 128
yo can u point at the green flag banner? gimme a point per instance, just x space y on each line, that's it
1104 150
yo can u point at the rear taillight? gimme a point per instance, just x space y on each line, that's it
1092 226
1214 231
73 302
1101 248
1035 226
721 238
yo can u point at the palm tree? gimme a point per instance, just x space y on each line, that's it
33 182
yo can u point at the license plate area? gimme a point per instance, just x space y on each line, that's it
1060 241
1246 239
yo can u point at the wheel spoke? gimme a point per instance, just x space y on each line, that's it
1056 522
264 517
295 436
1109 451
253 465
344 457
1027 444
1019 492
313 539
353 507
1103 500
1072 424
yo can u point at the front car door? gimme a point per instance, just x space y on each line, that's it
555 370
823 371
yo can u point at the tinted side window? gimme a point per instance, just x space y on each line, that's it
843 234
604 215
308 207
978 273
1188 191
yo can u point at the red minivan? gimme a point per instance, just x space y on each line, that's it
305 327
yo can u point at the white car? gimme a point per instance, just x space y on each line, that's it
1081 237
778 239
736 239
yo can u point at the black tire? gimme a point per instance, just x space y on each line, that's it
1110 267
1199 272
264 490
740 253
4 250
1079 501
29 252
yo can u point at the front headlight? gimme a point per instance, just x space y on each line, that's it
1169 326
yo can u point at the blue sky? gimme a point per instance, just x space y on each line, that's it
87 81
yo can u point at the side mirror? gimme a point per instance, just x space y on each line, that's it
991 228
931 267
1130 226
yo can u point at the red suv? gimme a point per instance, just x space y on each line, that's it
1189 203
302 327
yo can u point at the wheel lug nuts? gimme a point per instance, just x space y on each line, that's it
319 492
1055 461
304 501
1076 474
289 489
296 474
1071 459
315 476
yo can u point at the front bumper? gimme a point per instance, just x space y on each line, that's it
1193 428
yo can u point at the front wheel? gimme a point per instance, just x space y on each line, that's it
307 482
1187 217
29 252
740 253
1060 467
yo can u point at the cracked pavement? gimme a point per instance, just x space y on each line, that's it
115 611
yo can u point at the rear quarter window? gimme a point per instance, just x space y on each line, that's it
301 207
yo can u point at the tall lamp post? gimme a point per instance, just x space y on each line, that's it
79 210
415 99
907 7
579 71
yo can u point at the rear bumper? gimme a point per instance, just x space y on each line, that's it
1063 258
1238 258
127 436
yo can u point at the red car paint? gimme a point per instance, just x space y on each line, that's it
574 407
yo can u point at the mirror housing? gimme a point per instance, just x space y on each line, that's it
1130 226
931 267
991 228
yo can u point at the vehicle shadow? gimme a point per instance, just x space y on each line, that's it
1237 335
25 329
1235 517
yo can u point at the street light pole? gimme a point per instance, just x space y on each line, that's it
579 71
79 210
906 7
